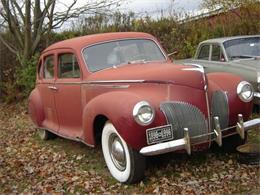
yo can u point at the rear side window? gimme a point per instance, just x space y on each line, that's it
216 54
68 66
48 72
204 52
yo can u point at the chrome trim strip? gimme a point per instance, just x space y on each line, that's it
69 83
208 109
180 144
198 67
192 69
107 86
113 81
102 81
96 82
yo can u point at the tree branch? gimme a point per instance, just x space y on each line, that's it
8 45
19 9
12 23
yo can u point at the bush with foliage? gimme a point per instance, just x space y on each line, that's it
174 34
20 81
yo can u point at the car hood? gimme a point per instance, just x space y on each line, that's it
164 73
250 64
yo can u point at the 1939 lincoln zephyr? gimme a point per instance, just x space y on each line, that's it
121 90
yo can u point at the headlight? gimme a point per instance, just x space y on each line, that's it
143 113
245 91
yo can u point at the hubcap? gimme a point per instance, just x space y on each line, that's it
42 133
117 152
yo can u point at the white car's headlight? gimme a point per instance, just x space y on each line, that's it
143 113
245 91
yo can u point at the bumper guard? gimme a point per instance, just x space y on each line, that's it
186 141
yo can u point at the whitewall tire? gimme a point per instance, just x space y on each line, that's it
125 164
45 134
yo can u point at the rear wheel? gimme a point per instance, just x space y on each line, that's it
45 134
125 164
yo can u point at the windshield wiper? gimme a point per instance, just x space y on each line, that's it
137 61
143 61
241 56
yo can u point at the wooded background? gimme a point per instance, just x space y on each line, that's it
27 27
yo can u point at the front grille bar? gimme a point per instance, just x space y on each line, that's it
187 141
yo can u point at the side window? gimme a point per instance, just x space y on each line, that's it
68 66
216 54
204 52
48 72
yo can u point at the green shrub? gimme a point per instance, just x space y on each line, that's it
26 76
19 82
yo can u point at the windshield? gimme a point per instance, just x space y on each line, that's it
242 48
114 53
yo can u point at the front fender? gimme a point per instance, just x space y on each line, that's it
228 82
118 108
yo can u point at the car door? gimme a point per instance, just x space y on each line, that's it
47 91
211 57
68 94
203 55
217 62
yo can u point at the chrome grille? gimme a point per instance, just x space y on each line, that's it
183 115
219 107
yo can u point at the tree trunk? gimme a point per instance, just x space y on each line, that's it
27 33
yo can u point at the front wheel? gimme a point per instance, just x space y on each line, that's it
125 164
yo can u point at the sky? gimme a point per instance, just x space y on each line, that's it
151 6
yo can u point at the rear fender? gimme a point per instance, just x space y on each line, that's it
35 107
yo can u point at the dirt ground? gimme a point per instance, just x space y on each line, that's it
29 165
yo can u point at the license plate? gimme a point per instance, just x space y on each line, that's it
159 134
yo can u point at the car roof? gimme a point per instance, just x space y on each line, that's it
80 42
223 39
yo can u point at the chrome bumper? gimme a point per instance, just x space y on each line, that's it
257 94
186 142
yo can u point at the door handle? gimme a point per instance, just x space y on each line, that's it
53 88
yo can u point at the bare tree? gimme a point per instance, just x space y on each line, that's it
29 20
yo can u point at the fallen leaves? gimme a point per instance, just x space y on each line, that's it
29 165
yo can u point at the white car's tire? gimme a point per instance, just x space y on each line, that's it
125 164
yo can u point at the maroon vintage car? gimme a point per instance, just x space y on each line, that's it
121 90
